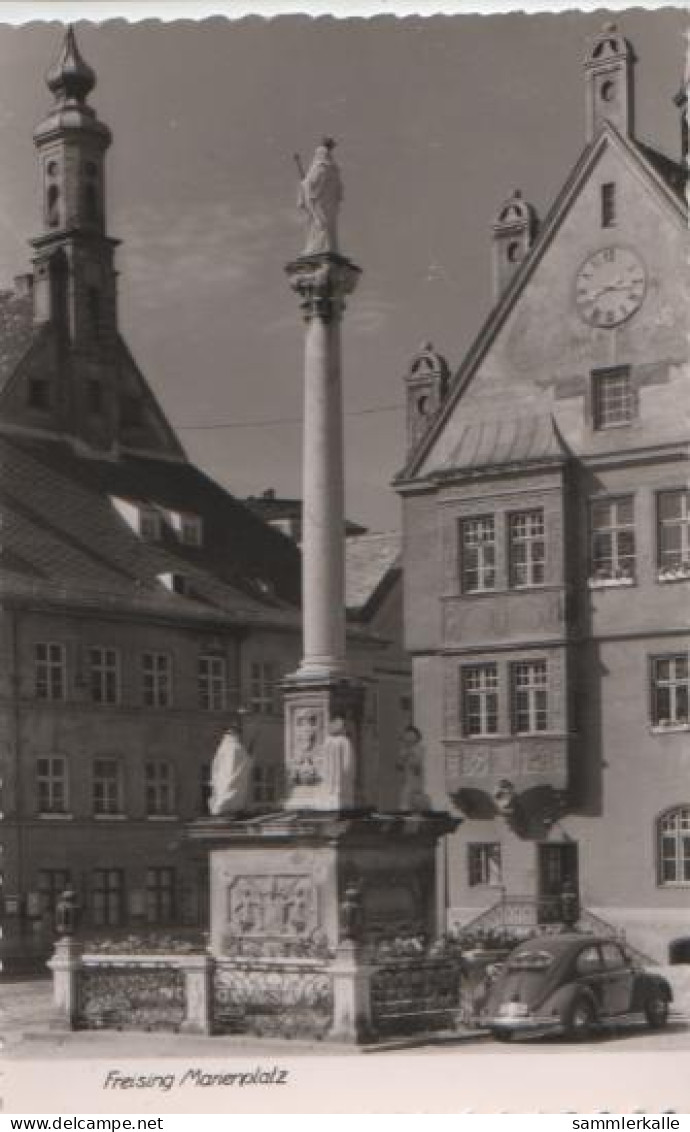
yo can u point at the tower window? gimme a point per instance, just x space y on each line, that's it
53 206
94 395
94 302
90 203
38 394
608 205
514 252
608 91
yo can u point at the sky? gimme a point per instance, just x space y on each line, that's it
438 120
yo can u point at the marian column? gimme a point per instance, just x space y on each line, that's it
322 703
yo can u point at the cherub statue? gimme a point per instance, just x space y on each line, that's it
320 194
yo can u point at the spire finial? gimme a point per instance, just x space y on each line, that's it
70 78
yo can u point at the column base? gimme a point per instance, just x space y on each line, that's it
323 716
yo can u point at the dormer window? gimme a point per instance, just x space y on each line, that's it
175 582
150 526
188 527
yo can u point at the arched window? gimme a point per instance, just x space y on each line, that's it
673 834
53 206
90 203
94 304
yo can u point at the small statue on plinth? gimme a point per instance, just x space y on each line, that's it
67 913
339 764
351 918
410 765
231 772
320 194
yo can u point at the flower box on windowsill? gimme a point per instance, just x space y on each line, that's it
610 583
674 573
664 726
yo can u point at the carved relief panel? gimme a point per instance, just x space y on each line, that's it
272 906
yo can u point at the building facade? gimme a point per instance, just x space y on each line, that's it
546 548
141 604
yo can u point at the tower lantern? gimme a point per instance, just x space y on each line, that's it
609 79
514 232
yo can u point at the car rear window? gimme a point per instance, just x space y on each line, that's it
530 961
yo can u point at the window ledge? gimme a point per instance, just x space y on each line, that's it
669 728
610 583
110 817
668 576
47 816
162 817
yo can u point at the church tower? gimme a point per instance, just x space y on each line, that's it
74 275
610 87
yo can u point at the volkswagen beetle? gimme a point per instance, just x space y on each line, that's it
569 984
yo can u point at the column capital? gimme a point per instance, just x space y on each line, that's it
322 281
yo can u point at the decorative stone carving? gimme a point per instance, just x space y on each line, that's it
275 906
475 764
323 285
303 754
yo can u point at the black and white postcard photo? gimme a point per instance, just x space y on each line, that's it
344 561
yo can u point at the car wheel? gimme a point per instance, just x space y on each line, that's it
580 1019
656 1010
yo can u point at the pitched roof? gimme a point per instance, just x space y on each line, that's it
673 173
512 440
274 508
661 174
16 330
63 539
369 560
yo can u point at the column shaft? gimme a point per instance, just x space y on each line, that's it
323 517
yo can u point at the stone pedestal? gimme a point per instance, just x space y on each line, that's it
198 975
278 882
282 890
351 995
65 967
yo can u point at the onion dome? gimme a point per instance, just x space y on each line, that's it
70 79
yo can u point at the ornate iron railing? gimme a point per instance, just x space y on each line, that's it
131 996
409 995
291 999
515 913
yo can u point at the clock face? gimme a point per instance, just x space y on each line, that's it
610 286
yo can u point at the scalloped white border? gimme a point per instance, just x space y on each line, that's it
25 11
